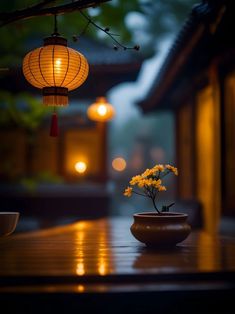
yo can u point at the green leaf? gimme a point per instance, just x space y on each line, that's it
165 208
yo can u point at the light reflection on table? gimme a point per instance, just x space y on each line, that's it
103 250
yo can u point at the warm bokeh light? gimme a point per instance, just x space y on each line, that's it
102 267
80 288
80 265
80 166
102 262
81 226
119 164
80 270
100 110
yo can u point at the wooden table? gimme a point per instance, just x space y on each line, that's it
98 265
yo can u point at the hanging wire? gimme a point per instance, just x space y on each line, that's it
55 33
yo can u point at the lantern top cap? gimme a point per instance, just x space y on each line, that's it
55 40
101 99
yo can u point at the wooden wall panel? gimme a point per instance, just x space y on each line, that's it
12 154
185 151
45 155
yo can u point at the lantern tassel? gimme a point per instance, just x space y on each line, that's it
54 132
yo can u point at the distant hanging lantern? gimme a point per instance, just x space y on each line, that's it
100 110
56 69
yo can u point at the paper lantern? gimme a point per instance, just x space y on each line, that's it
101 110
56 69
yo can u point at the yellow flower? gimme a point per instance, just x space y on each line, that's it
156 183
150 181
158 168
142 183
148 172
172 169
128 191
161 188
135 180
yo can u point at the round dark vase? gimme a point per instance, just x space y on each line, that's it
162 230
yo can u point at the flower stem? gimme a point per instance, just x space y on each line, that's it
153 200
140 193
165 174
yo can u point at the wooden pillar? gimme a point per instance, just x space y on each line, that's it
185 151
228 151
208 165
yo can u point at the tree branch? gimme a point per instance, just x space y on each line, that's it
42 4
107 32
40 10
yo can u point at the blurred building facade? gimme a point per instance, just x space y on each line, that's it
196 82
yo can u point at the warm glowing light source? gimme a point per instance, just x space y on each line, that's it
80 270
80 166
80 288
58 62
56 69
102 268
119 164
100 110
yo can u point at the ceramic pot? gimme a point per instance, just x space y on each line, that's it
165 229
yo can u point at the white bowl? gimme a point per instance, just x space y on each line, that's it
8 222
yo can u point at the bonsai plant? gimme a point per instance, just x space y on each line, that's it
161 227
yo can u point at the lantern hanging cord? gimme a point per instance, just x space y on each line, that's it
55 33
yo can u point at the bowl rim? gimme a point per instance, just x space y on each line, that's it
161 215
9 213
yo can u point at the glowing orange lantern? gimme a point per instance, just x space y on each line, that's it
101 110
56 69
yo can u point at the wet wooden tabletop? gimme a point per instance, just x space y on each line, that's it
102 255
